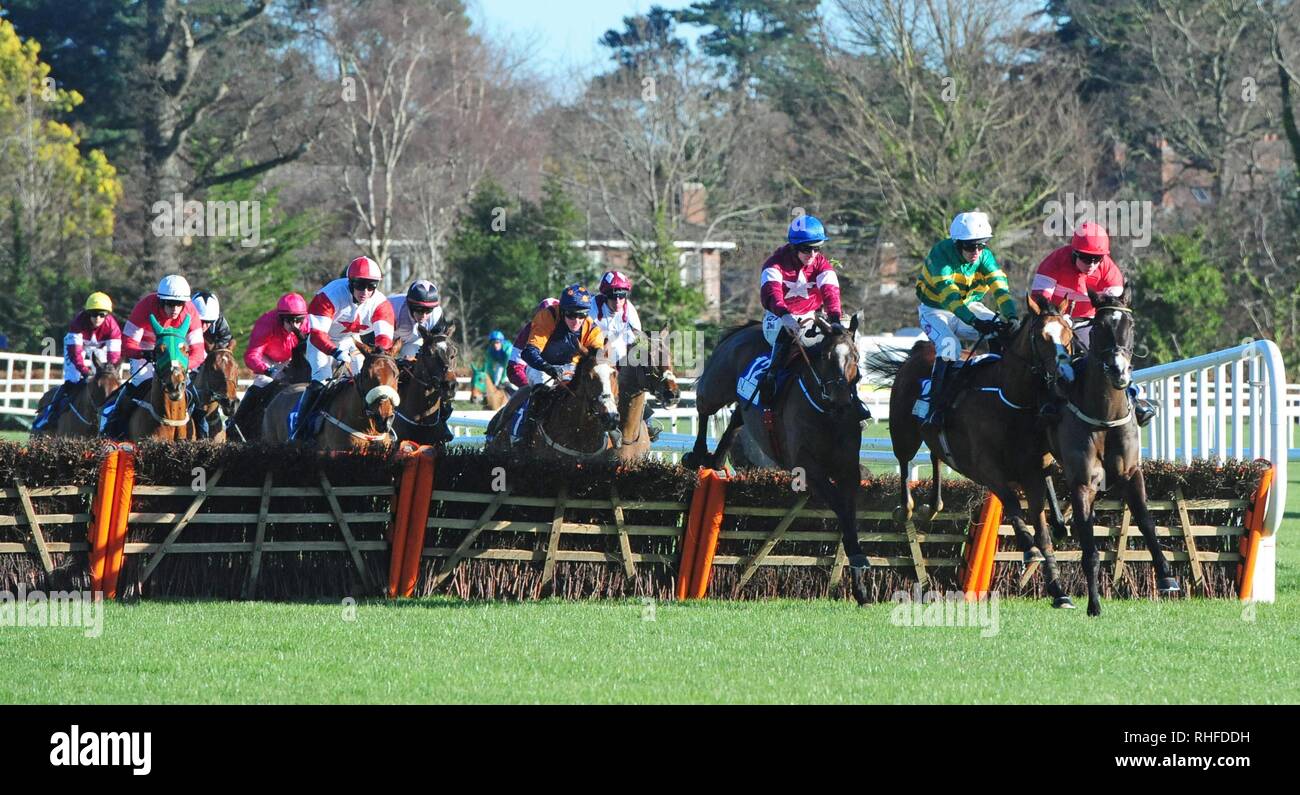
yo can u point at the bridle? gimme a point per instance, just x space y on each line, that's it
824 385
209 397
429 385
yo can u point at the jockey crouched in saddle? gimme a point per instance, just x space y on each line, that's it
518 372
345 308
171 307
420 306
1067 274
553 348
618 318
270 348
94 331
216 331
797 281
958 273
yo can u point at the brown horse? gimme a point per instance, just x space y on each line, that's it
428 384
577 419
166 414
217 385
358 412
489 394
80 416
815 429
644 370
246 423
1098 442
990 434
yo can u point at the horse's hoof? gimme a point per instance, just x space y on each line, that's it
902 515
1094 609
1063 603
1169 585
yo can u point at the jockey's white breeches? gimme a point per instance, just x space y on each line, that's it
947 331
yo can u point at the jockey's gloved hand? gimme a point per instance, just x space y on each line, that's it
1010 326
555 371
340 356
986 326
271 371
791 324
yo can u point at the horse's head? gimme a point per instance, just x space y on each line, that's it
377 383
1044 340
107 377
661 369
435 364
1112 337
595 383
171 364
835 362
220 378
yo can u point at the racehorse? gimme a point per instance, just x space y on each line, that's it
1098 442
246 424
814 423
637 379
483 389
576 420
990 433
166 414
358 412
81 414
428 383
216 386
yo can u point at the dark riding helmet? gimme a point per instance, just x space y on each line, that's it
422 293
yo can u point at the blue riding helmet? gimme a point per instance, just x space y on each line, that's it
496 336
805 230
575 298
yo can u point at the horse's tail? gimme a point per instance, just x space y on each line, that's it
883 365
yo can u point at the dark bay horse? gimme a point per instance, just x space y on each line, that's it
358 412
427 385
246 424
217 384
815 427
1098 442
578 422
166 413
646 369
80 416
990 433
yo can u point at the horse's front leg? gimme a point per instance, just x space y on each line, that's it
932 510
1011 510
719 457
905 503
1135 496
698 456
842 498
1081 499
1034 497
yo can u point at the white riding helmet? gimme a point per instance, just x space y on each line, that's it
971 226
208 306
174 288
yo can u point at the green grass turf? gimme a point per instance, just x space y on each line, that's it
443 650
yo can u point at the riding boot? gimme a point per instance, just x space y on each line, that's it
306 405
938 388
196 410
651 429
767 384
442 433
1143 411
864 413
50 414
115 417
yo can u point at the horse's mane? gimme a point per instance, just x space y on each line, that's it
734 330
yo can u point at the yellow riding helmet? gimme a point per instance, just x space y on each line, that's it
99 302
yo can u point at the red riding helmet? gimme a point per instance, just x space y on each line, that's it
363 268
291 304
1091 238
614 280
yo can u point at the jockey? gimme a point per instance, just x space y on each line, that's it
519 373
552 347
419 306
216 331
170 305
270 347
797 280
1066 275
92 331
344 308
496 360
618 318
958 273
